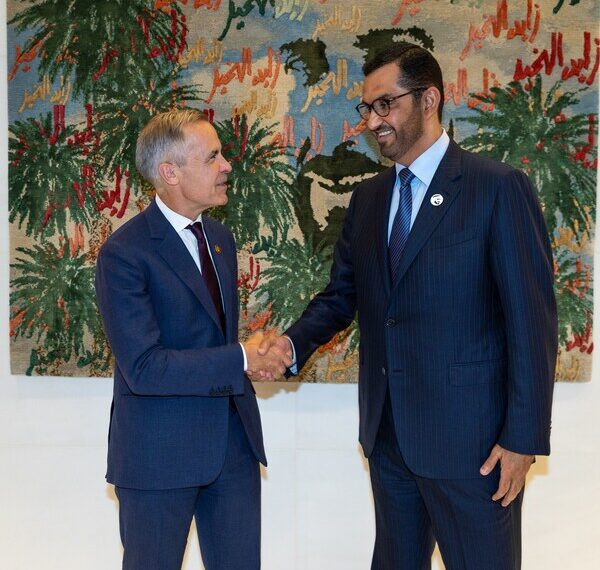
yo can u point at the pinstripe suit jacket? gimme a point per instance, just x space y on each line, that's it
466 339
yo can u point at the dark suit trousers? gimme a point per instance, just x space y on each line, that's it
412 512
155 524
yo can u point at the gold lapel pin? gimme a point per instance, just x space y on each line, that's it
218 249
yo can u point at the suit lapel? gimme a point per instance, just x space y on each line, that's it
446 182
176 255
383 196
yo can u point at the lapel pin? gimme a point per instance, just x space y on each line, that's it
436 200
218 249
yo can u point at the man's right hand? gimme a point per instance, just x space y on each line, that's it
268 358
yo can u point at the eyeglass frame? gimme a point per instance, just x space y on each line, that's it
387 100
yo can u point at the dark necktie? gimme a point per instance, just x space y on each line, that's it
208 271
401 225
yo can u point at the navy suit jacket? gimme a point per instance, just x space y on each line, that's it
174 367
466 340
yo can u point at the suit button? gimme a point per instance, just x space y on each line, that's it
391 323
383 370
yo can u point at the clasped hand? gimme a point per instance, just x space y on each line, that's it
268 356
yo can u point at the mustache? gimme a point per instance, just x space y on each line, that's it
381 129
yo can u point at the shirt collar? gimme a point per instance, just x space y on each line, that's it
425 165
178 221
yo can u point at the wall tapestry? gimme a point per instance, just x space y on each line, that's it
279 79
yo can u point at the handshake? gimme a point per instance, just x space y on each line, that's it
268 356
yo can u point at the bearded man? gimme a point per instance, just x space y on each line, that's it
446 258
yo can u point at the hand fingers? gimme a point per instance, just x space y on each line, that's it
259 375
276 371
282 358
503 487
273 363
512 494
490 462
278 358
265 345
279 346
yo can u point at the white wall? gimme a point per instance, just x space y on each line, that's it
57 513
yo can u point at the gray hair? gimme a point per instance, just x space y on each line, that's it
163 140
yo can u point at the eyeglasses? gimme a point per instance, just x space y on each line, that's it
381 106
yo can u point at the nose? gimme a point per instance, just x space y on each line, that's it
225 166
374 121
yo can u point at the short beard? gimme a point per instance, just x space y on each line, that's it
411 132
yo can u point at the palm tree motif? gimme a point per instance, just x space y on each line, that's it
122 113
260 184
574 293
97 41
296 272
51 182
534 131
53 301
98 358
122 57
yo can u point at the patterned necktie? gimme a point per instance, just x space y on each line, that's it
401 225
208 270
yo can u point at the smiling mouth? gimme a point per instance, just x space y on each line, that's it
383 133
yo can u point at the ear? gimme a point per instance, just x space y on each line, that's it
430 101
168 173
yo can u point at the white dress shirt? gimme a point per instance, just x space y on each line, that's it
180 225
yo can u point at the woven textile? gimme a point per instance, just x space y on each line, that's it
279 79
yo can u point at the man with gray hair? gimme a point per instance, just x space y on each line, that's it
185 436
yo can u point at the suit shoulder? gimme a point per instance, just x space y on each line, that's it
132 232
484 174
487 165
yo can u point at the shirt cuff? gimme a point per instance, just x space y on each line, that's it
293 367
245 357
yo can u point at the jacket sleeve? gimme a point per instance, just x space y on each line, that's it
133 332
333 309
523 270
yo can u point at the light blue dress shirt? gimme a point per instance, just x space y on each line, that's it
423 167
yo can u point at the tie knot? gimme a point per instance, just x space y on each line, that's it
196 229
405 176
